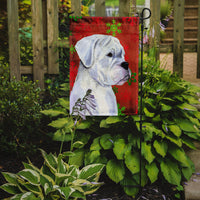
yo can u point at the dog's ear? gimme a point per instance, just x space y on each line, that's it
85 49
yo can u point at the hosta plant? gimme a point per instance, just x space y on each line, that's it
54 180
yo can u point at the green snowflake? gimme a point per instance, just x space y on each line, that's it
114 28
132 79
72 49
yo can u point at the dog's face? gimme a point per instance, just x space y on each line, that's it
103 56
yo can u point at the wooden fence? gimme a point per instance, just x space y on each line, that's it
45 34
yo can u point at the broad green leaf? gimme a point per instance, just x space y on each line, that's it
10 177
95 146
160 147
91 171
68 154
92 157
61 135
115 170
193 135
52 112
132 161
147 152
106 141
47 183
188 142
10 188
129 186
119 148
64 103
33 188
185 106
30 175
188 171
179 154
62 122
29 196
113 120
65 191
175 87
50 160
103 124
165 107
171 172
78 144
78 157
175 130
84 125
147 113
174 140
153 171
186 125
16 197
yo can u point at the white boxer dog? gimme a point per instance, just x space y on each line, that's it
102 65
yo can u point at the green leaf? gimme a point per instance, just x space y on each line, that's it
84 125
175 130
147 153
52 112
188 142
148 114
78 144
106 141
115 170
30 175
10 177
16 197
120 148
185 106
91 171
174 140
95 146
186 125
179 155
33 188
153 171
160 147
113 120
10 188
188 171
129 186
64 103
78 157
60 135
165 107
132 161
92 157
171 172
29 196
103 124
62 122
65 191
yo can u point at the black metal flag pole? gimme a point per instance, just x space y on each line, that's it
142 18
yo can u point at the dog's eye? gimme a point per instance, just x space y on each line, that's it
109 54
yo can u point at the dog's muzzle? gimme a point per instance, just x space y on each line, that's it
125 65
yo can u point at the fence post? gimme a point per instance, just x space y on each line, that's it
124 8
154 39
37 38
178 47
198 44
52 36
100 8
76 7
14 44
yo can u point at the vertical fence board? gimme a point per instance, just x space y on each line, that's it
76 7
124 8
14 44
37 38
52 36
155 27
100 8
198 44
178 47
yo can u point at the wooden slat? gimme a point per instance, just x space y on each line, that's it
124 8
100 8
155 27
52 33
198 44
14 44
76 7
37 38
178 36
29 69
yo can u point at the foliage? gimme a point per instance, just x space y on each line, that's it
54 180
170 122
20 107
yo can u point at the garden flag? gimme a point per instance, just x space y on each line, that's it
104 66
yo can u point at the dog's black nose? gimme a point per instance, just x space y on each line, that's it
125 65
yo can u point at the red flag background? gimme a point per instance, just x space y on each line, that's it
126 29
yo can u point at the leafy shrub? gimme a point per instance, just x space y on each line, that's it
54 180
170 122
19 112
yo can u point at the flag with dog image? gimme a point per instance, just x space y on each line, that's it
104 55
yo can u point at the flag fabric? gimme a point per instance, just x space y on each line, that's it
104 55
